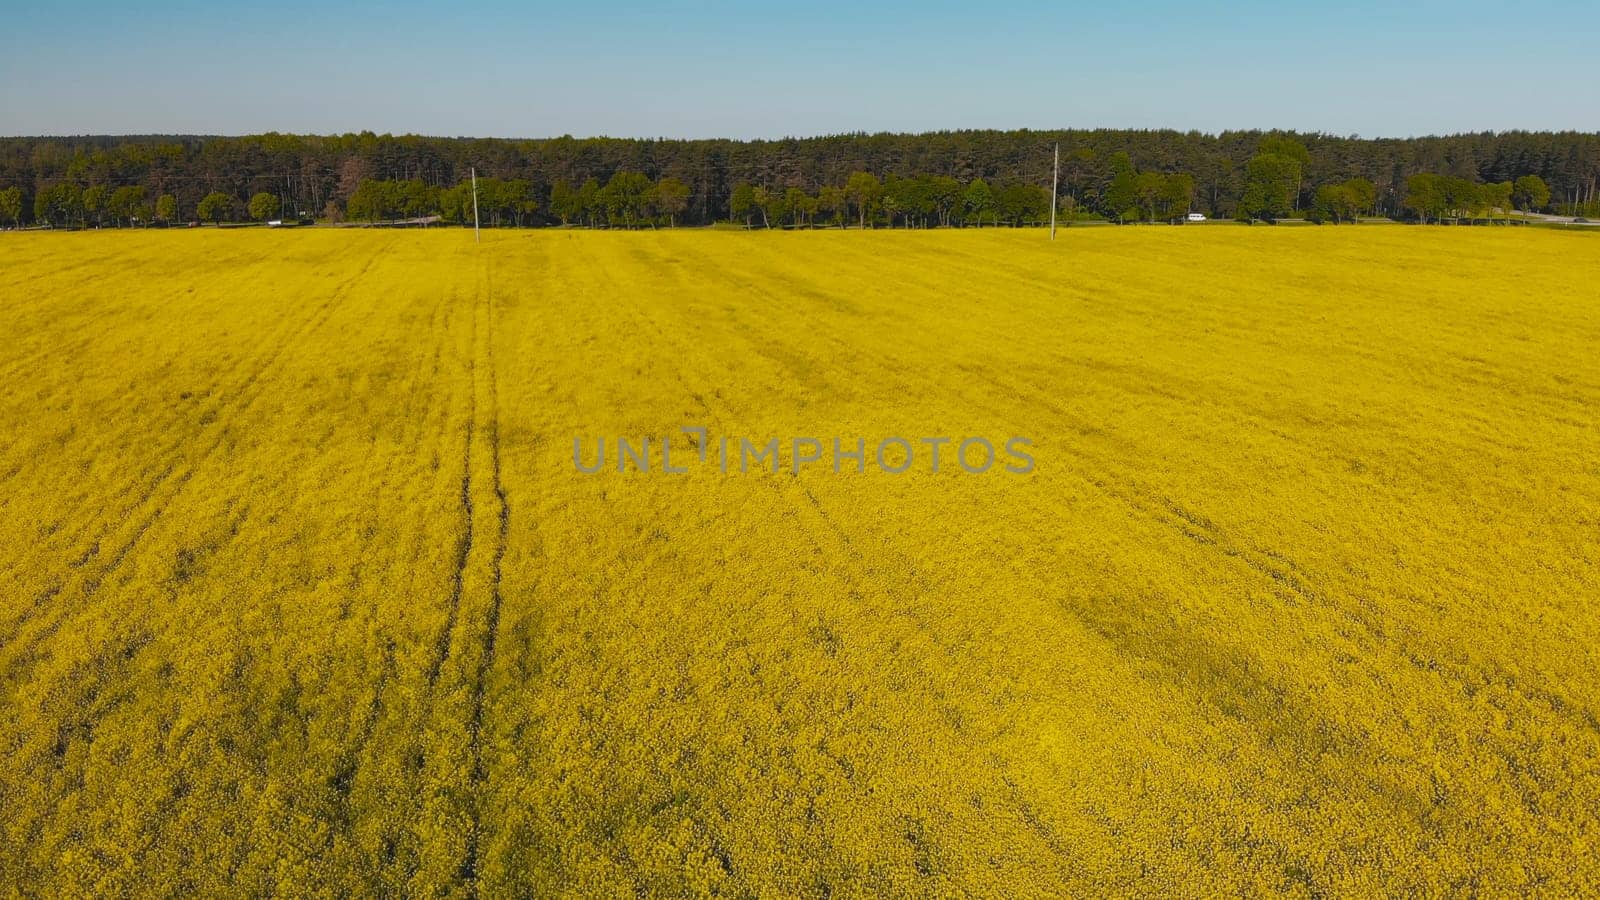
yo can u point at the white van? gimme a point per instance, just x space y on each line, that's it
1197 217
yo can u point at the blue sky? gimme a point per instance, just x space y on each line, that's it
743 70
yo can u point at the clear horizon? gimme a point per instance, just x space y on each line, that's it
130 135
719 71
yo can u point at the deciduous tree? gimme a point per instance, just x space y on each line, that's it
1425 195
768 203
589 201
978 200
263 206
59 204
11 206
742 203
1362 194
831 200
627 198
865 192
565 203
95 198
944 193
1497 197
1177 195
1120 198
1020 203
1530 193
128 204
1272 179
671 199
167 208
215 207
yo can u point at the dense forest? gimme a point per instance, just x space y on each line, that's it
942 178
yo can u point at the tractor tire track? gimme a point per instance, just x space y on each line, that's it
243 398
833 540
342 778
273 348
478 774
442 643
238 397
405 723
342 781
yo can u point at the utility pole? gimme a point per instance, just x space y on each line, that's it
477 234
1055 179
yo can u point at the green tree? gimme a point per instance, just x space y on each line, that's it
455 204
264 206
215 207
418 199
1530 193
769 204
1149 188
800 205
978 200
1177 195
1121 194
831 200
1272 182
1362 194
376 200
1077 169
370 202
1497 197
564 203
1067 208
1019 203
627 198
1462 197
167 208
742 202
1342 202
775 206
59 204
945 195
511 198
891 200
11 206
379 200
128 204
1287 148
902 197
1327 203
95 199
865 193
671 198
1426 196
492 200
589 201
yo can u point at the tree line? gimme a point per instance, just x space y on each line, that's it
926 180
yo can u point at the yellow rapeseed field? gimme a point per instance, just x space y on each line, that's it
301 590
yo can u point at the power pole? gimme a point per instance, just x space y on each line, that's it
477 234
1055 179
